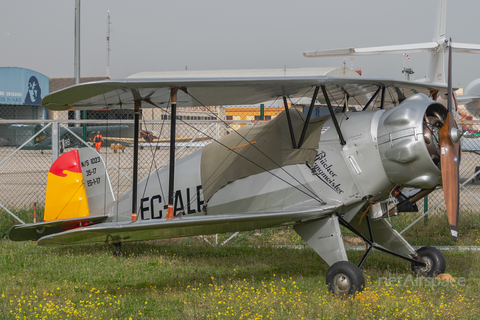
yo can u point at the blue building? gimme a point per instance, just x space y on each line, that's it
21 93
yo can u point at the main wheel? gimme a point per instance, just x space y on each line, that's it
345 278
434 260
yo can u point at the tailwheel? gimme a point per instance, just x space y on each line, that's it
345 278
434 260
118 249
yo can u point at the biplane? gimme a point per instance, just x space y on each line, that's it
316 174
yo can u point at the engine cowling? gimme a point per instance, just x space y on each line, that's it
409 144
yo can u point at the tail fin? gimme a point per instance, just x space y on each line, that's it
440 21
77 186
436 68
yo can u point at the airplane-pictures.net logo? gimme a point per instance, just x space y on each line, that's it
442 280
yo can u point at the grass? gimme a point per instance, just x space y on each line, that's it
24 214
189 279
249 278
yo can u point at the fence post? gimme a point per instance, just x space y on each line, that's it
425 209
55 141
84 131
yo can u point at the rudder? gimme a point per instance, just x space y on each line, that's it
77 186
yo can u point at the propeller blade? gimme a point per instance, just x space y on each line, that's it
450 161
450 157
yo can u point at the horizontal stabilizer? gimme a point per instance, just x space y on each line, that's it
34 231
465 47
467 98
116 232
426 47
410 48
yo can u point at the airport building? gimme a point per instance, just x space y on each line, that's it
21 93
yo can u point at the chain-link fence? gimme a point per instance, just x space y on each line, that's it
27 152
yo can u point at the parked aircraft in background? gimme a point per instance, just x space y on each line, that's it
437 48
471 98
44 140
148 135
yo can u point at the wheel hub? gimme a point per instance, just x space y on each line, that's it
341 282
428 265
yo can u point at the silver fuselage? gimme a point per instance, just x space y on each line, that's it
383 149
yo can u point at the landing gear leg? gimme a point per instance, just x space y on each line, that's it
118 249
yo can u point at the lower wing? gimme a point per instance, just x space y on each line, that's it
116 232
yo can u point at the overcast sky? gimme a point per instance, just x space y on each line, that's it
152 35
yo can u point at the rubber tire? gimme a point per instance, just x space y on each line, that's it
353 274
435 258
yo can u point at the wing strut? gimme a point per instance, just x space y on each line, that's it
289 120
382 106
345 103
332 114
309 115
138 105
371 99
173 121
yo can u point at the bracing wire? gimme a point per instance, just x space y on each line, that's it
244 138
153 159
106 160
228 126
68 202
283 180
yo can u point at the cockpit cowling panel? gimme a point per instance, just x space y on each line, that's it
409 143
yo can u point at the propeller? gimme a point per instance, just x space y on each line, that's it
450 157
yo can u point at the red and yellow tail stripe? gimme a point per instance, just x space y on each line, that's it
66 197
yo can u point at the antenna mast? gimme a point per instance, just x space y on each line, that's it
108 45
407 71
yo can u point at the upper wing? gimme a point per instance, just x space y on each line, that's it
103 129
467 98
177 144
116 232
211 88
106 129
